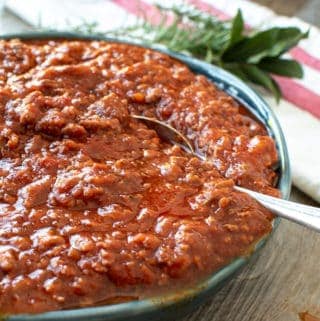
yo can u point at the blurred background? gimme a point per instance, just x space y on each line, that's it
308 10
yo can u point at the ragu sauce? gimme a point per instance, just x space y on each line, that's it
93 205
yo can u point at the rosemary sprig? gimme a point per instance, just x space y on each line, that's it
253 56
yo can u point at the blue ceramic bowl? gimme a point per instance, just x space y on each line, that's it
173 305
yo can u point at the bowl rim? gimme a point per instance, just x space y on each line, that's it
240 92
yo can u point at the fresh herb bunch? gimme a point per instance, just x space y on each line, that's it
251 55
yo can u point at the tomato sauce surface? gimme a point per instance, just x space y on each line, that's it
94 206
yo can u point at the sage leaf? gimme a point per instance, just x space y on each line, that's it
283 67
236 33
260 77
270 43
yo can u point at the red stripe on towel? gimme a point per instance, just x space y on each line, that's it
305 58
300 96
140 9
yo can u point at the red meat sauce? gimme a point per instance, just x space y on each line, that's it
94 205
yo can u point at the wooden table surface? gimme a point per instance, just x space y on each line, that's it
285 279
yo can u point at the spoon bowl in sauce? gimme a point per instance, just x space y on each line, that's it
305 215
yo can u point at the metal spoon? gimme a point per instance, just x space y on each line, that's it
308 216
167 132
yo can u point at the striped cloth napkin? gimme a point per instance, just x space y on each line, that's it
298 112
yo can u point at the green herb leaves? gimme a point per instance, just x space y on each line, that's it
264 44
259 55
237 29
253 55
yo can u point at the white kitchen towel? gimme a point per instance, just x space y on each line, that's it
298 112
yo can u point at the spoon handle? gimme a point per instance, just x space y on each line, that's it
302 214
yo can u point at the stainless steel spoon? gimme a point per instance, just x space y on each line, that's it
308 216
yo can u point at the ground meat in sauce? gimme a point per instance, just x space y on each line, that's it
93 205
